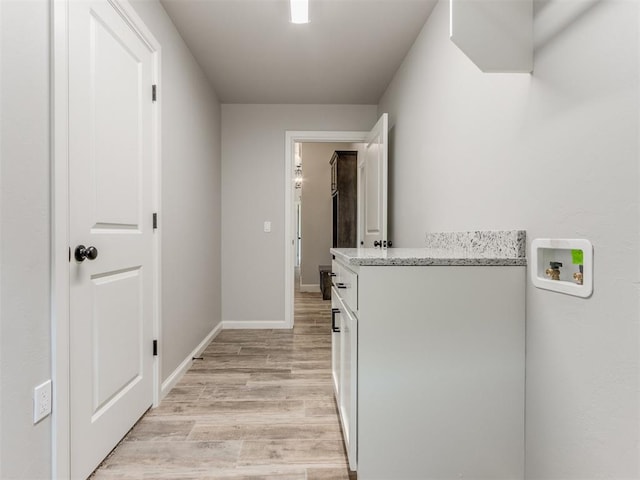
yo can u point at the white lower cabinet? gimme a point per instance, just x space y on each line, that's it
344 348
429 371
335 344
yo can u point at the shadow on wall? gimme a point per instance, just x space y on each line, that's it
557 18
391 166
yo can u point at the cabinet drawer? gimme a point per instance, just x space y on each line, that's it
335 272
346 283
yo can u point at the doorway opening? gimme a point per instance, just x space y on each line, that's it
326 199
299 221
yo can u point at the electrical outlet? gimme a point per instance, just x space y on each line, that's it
41 401
267 227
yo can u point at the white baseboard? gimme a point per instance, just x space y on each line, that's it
310 287
254 324
177 374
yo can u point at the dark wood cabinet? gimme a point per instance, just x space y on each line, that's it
344 188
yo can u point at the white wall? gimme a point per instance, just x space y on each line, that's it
317 209
25 321
555 153
253 141
189 219
190 216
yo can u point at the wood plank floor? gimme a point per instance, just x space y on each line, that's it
259 406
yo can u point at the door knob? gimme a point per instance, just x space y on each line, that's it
82 252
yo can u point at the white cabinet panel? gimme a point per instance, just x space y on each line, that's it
344 346
439 372
335 342
347 285
348 382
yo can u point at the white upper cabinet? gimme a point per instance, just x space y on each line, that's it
496 35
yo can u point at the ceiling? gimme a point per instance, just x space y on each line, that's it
346 55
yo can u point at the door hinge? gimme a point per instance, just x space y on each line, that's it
154 93
155 221
155 348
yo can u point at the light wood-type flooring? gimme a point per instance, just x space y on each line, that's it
258 406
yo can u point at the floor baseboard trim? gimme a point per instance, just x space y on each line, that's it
310 287
254 324
177 374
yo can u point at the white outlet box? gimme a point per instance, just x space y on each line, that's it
267 227
41 401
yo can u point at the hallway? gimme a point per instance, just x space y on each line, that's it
258 406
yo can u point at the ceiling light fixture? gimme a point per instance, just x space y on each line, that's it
299 11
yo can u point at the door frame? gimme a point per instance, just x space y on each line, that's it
60 248
292 137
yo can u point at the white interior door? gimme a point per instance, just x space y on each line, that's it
110 208
373 192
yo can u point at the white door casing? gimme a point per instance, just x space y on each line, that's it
112 299
373 192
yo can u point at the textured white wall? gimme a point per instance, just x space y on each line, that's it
554 153
317 208
253 141
25 314
190 206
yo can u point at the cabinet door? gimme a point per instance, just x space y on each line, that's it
348 382
335 344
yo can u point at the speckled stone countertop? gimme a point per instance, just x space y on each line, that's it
490 248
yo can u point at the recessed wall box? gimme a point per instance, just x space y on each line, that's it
576 272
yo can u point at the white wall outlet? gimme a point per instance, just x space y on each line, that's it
267 227
41 401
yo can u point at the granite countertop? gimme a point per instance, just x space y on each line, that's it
492 248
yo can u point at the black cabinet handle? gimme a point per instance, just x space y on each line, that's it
377 243
341 285
331 274
334 311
